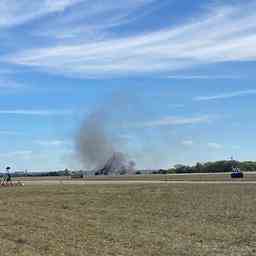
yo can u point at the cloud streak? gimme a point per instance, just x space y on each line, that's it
203 77
187 143
16 12
223 96
37 112
222 35
94 19
52 143
214 145
173 120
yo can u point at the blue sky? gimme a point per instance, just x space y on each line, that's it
184 72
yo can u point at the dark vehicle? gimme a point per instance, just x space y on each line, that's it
236 174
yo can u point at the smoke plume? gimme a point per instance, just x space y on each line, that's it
98 149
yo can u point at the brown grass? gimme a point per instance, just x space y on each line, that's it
128 220
171 177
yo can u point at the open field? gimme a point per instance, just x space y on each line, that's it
152 219
249 176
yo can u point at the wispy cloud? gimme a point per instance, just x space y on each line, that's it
214 145
37 112
226 95
187 143
203 77
173 120
15 12
224 34
93 19
52 143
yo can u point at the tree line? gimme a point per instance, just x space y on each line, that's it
211 167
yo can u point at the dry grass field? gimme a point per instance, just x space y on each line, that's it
249 176
129 220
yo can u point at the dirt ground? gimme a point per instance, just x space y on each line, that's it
134 219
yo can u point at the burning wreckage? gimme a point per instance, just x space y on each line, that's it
117 165
96 148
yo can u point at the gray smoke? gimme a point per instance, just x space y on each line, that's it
97 148
117 164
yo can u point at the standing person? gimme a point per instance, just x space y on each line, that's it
8 175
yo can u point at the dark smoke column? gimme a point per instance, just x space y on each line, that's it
96 150
117 164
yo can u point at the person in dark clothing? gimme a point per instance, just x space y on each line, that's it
9 177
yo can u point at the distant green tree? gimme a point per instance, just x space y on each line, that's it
214 167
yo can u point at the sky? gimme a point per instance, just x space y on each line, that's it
176 77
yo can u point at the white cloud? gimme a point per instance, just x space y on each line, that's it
54 143
214 145
187 143
173 120
202 77
37 112
93 20
223 35
15 12
226 95
68 17
59 5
